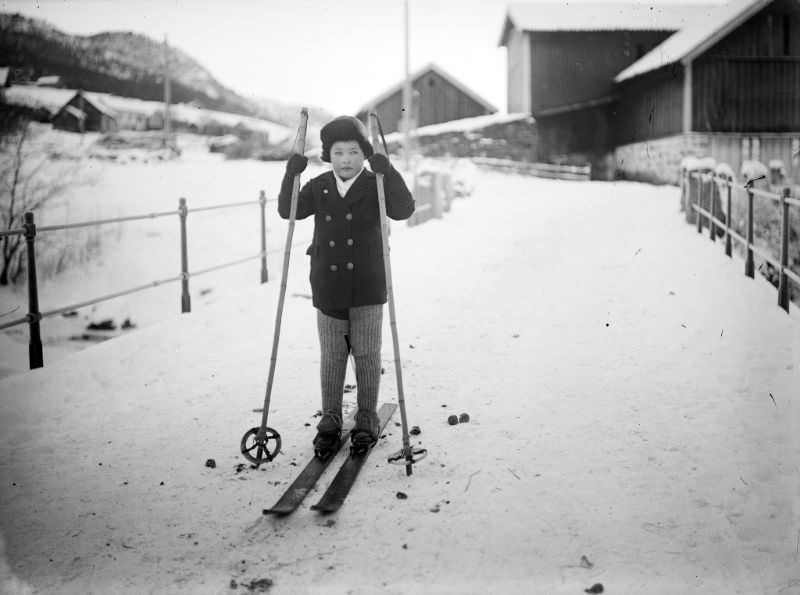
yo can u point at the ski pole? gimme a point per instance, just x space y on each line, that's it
262 435
407 453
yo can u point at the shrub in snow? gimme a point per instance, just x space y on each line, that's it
30 181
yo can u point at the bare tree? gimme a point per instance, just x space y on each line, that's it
26 184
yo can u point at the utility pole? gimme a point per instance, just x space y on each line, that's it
406 121
167 98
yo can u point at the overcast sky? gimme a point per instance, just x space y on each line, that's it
333 54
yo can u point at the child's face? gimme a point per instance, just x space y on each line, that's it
347 158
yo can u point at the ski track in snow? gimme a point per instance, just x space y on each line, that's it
617 368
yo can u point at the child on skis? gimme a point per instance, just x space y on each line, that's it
348 281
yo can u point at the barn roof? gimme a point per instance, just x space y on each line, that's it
562 15
98 101
419 73
688 43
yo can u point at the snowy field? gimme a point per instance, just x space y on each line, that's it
140 252
633 404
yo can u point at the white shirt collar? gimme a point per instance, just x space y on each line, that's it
344 185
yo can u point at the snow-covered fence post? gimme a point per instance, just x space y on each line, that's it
690 213
783 281
749 265
729 201
698 214
186 299
262 201
35 356
712 199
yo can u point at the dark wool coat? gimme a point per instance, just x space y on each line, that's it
347 252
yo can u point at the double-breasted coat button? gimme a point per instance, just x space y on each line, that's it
331 243
350 266
349 241
349 216
334 268
327 217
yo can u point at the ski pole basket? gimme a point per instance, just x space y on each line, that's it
407 455
256 447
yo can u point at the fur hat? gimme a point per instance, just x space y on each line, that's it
344 128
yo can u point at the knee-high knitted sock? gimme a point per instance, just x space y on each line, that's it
333 367
365 335
368 379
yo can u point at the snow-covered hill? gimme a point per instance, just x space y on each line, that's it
633 403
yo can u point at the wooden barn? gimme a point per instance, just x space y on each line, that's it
81 114
562 59
726 87
437 98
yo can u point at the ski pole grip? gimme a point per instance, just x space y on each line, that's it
300 139
374 133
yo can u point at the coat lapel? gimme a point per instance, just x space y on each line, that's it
331 194
359 189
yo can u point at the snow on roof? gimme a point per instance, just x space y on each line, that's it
37 97
50 79
612 16
468 124
55 99
461 125
431 67
711 25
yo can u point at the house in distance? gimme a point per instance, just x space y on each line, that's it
83 114
437 98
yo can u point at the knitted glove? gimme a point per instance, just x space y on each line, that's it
380 163
296 164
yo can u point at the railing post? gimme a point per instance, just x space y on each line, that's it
713 189
186 299
728 240
749 265
783 283
689 212
262 201
35 356
699 203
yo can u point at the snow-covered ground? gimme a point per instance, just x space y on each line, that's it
137 253
633 403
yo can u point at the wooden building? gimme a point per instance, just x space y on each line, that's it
637 87
562 59
727 87
82 114
437 98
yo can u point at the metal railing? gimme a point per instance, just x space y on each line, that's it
30 231
700 205
540 170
